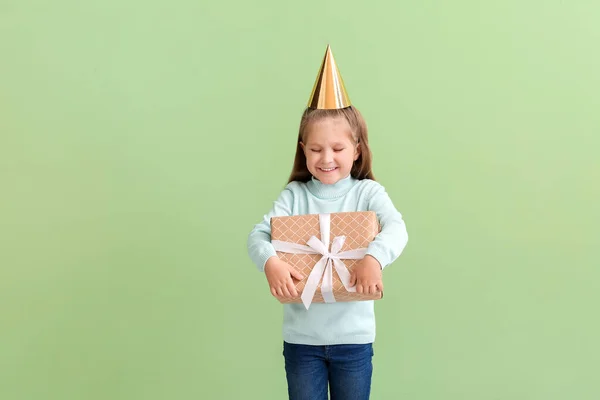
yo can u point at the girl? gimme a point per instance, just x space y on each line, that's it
330 346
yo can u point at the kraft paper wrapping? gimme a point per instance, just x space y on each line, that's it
358 228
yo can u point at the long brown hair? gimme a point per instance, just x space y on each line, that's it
361 169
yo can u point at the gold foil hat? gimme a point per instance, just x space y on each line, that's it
329 91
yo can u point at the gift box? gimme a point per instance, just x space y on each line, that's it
325 248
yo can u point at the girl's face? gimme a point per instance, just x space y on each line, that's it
330 149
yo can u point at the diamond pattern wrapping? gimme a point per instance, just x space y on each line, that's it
360 228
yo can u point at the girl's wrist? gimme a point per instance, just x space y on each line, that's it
374 261
270 261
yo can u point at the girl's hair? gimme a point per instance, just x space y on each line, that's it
361 169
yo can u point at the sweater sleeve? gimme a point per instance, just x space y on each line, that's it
391 241
259 244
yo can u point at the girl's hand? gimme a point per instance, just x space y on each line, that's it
366 275
279 275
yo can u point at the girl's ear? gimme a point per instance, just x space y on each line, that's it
303 148
357 152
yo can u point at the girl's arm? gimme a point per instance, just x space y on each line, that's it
259 244
391 241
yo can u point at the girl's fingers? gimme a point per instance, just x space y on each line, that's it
292 289
296 274
288 289
359 287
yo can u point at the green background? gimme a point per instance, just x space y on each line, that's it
140 141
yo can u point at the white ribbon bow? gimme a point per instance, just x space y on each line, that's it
323 268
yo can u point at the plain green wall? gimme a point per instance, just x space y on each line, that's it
141 140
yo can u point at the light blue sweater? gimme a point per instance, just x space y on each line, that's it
340 322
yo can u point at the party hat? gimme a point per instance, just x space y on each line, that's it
329 91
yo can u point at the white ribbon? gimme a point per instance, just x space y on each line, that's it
323 268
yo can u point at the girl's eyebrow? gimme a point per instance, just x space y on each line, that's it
332 145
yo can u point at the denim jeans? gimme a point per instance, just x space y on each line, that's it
346 368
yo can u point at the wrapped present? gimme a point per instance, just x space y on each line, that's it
325 248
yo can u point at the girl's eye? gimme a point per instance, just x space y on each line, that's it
338 150
315 150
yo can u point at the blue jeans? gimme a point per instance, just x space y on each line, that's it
346 368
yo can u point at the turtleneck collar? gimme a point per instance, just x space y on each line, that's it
334 191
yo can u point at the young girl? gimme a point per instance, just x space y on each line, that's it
330 346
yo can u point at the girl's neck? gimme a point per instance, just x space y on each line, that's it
332 191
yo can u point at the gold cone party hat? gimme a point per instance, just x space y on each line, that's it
329 91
